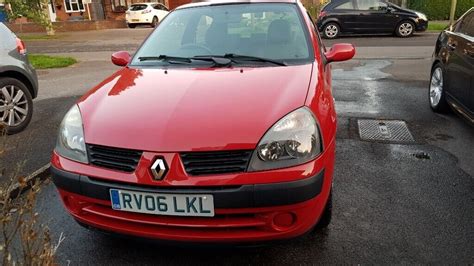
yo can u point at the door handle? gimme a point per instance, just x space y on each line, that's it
452 46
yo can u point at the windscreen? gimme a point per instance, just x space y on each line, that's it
138 7
268 30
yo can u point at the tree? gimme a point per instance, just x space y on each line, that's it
453 12
35 10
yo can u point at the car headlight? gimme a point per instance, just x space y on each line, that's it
293 140
70 143
421 16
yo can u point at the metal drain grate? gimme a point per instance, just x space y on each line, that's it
384 130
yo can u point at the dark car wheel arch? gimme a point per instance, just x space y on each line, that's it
21 77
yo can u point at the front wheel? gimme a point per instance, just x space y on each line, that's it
405 29
331 30
131 26
154 22
437 94
16 105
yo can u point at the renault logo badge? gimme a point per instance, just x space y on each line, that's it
159 169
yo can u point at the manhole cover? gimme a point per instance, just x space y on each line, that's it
384 130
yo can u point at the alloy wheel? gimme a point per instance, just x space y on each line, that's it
13 106
436 87
331 31
405 29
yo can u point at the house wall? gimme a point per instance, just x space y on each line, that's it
66 26
175 3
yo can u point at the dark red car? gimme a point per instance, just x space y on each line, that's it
221 128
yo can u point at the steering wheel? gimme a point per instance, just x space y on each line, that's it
190 46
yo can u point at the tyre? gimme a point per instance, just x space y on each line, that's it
131 26
437 91
331 30
327 214
154 22
16 105
405 29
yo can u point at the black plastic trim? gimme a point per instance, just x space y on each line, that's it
245 196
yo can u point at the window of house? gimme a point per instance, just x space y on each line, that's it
74 6
348 5
119 5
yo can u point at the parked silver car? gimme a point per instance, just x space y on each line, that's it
18 83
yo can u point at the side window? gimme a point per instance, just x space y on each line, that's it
202 28
371 5
346 6
164 8
466 26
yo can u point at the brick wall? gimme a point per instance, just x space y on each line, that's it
64 26
175 3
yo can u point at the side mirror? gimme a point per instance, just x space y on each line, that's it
121 58
340 52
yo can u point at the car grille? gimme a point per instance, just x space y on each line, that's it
114 158
219 162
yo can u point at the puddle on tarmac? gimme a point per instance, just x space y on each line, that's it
370 71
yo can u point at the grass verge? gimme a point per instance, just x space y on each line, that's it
45 61
437 25
33 37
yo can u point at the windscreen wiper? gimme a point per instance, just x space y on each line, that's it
252 58
167 58
218 61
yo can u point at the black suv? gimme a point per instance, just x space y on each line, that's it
18 83
369 17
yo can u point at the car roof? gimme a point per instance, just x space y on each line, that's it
218 2
152 3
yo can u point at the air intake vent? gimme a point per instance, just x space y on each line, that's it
219 162
113 158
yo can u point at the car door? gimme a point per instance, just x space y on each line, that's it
460 62
345 13
375 16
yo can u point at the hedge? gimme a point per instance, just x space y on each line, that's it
439 9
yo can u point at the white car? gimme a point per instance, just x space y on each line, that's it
145 13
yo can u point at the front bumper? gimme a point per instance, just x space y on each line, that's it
421 25
246 196
249 207
245 213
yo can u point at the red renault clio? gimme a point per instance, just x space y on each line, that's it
221 128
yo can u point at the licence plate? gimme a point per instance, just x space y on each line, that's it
162 204
135 20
